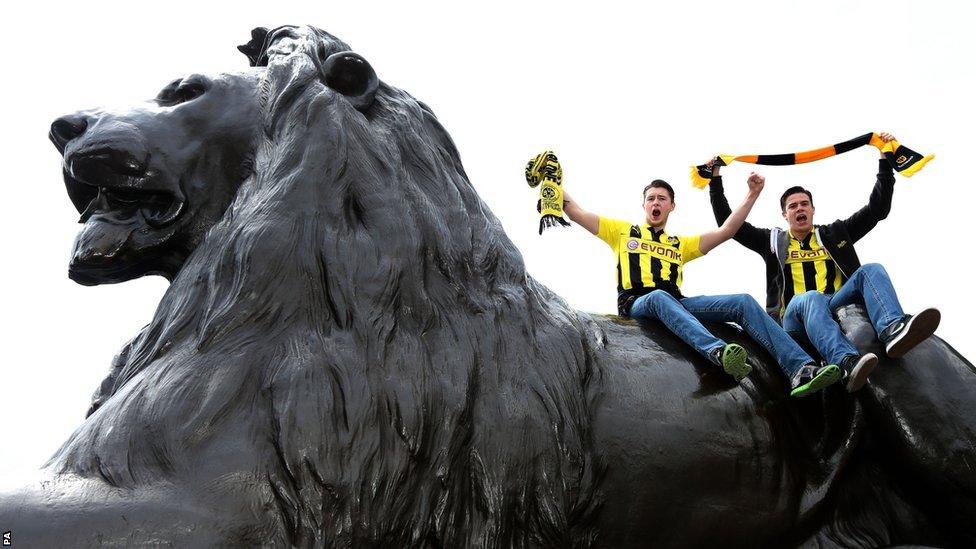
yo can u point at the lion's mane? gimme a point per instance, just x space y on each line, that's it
361 318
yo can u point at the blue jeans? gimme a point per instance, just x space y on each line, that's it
810 315
684 319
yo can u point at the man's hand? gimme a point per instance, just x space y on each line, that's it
542 166
885 138
756 183
713 166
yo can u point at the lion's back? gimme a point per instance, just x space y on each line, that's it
683 438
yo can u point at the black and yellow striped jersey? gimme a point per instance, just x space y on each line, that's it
647 259
809 267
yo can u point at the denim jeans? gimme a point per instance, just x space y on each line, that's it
810 315
684 319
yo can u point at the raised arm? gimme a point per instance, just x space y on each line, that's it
754 238
734 222
879 204
588 220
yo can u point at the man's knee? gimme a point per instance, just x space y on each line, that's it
744 302
811 298
651 302
746 308
808 303
873 269
659 296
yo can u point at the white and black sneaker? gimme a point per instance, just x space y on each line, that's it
857 369
904 335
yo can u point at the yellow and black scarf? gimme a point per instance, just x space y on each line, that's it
902 159
544 168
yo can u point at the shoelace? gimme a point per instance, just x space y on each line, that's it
894 330
806 373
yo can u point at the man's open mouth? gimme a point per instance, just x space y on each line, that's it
100 183
655 212
802 218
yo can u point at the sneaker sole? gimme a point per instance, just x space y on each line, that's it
919 328
827 377
734 361
861 371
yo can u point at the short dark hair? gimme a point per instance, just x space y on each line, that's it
794 190
658 184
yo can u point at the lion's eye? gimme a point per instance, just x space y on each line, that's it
181 91
189 91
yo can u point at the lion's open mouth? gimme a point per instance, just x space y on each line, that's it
98 184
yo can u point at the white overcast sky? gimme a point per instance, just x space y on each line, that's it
623 94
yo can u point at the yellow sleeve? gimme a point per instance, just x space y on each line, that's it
610 230
690 247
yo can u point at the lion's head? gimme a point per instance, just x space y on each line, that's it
150 180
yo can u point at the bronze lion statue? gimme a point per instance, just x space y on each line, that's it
351 353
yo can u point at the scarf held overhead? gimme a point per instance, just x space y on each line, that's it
544 168
902 159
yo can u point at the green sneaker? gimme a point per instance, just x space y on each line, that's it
811 379
733 357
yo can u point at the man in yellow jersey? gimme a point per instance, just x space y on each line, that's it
649 265
812 270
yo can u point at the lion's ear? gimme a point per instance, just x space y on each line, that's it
351 75
254 50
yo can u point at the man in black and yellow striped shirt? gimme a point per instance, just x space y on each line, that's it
808 267
649 276
647 258
812 270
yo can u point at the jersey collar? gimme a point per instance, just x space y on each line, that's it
806 239
654 231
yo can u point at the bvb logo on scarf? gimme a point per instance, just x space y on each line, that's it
544 169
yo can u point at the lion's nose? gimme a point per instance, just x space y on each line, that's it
66 128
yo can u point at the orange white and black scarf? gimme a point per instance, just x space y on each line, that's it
902 159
